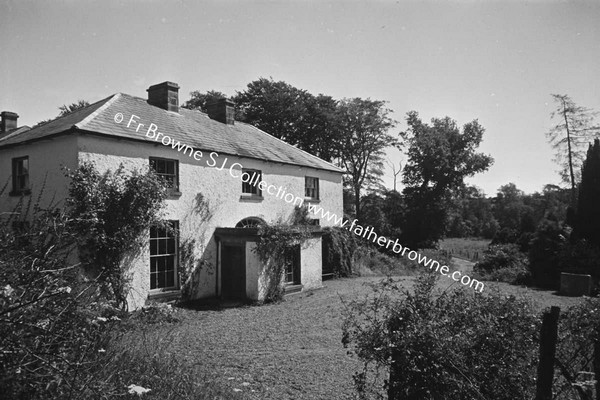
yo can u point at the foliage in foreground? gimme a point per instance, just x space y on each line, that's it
49 331
453 345
59 339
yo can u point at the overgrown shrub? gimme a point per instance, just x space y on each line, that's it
110 214
456 345
505 263
339 246
275 242
578 329
51 330
368 261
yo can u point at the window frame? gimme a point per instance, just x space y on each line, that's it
175 189
17 189
245 185
314 188
174 229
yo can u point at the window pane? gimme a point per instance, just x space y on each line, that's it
162 264
162 246
170 279
161 280
170 167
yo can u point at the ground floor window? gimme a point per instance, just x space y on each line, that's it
163 256
292 266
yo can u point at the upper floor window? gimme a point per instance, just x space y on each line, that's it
168 170
20 176
250 180
311 188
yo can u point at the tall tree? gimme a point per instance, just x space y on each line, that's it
363 128
587 224
569 137
291 114
198 100
440 157
276 107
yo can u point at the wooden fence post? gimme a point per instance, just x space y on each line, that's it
545 371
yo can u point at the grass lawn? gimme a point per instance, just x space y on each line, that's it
290 350
467 248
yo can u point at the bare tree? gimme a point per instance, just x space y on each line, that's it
395 171
570 137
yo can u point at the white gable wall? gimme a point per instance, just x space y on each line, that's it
46 158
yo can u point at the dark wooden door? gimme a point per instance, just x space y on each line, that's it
233 271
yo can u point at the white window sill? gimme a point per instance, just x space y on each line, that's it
251 197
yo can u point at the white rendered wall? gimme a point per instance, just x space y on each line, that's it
211 198
46 158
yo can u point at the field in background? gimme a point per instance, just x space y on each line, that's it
468 249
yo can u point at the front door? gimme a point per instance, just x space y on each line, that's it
233 271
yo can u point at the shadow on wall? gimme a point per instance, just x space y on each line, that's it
194 260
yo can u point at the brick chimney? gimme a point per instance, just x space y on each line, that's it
164 95
222 110
8 121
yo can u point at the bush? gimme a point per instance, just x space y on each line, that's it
554 251
455 345
544 254
339 246
51 329
578 329
504 263
368 261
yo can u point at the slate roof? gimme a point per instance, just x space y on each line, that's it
190 127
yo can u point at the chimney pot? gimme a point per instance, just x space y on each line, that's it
8 121
164 95
222 110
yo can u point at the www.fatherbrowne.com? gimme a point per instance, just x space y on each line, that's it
254 179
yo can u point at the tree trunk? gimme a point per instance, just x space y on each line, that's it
357 201
570 154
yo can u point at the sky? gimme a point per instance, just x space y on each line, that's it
494 61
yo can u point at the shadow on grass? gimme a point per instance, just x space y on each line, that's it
214 304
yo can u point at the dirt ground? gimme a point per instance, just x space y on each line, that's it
290 350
